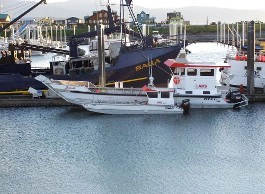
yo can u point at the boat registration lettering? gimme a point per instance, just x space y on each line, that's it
201 86
256 74
147 65
70 87
209 99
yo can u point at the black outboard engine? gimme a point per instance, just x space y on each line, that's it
234 96
185 105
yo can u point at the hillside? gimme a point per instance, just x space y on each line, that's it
196 15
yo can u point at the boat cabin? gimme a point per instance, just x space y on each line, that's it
195 78
160 97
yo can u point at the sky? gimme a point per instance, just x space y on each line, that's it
233 4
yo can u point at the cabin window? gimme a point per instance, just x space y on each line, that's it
207 72
245 67
188 92
152 94
179 71
206 92
182 71
191 71
258 68
164 94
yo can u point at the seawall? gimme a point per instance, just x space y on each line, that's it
29 101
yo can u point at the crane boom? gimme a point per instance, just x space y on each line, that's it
21 15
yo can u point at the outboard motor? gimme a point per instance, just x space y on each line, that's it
234 96
185 105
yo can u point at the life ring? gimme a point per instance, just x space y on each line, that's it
176 80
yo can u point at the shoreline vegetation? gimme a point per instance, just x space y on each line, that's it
193 32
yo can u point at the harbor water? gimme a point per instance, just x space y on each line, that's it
71 151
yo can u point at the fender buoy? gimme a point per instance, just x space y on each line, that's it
176 80
241 88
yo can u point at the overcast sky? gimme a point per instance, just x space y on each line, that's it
233 4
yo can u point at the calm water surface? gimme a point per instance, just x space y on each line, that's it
69 151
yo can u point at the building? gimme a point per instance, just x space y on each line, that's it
144 18
73 21
4 19
47 21
100 17
27 20
175 18
59 21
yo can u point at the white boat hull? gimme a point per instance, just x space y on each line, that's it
131 109
205 102
237 74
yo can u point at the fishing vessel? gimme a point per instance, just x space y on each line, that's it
198 82
236 76
126 59
127 62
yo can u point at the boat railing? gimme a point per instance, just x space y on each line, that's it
242 56
135 91
119 102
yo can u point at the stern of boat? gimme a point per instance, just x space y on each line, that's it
237 98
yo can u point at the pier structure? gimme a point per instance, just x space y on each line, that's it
236 34
30 101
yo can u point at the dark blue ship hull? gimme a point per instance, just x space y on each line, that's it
132 68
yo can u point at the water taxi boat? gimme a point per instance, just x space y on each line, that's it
158 102
197 81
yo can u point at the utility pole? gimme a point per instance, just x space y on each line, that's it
101 56
250 59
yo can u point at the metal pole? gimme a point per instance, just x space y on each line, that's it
228 41
88 30
51 36
101 56
243 34
260 29
221 33
46 31
224 33
250 59
237 35
56 28
217 32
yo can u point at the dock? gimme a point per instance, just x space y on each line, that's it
29 101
